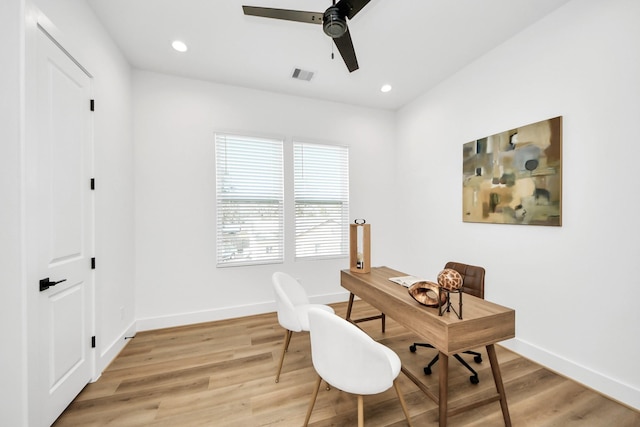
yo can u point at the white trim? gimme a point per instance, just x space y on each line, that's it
67 44
182 319
111 351
41 26
611 387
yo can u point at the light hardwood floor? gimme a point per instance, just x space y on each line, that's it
222 374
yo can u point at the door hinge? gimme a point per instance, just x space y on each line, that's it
93 263
92 105
93 183
93 341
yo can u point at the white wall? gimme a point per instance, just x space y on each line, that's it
177 280
574 287
13 350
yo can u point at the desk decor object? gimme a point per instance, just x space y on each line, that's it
515 177
438 294
450 281
428 293
360 246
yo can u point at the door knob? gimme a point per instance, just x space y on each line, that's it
46 283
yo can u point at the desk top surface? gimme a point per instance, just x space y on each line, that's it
483 322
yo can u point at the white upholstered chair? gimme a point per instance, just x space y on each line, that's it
348 359
292 305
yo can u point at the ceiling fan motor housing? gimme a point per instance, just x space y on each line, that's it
334 23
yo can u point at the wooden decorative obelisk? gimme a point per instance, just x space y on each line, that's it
360 247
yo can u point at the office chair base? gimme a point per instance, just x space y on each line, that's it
473 379
413 348
477 357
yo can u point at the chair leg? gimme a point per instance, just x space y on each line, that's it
287 339
360 411
474 378
427 369
402 402
313 401
477 357
415 345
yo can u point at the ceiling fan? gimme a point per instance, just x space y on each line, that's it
333 20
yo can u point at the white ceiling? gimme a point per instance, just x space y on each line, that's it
411 44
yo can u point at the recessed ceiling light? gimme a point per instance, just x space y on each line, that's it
385 88
179 46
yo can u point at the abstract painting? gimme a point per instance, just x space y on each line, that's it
515 177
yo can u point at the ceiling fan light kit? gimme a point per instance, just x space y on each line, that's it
334 23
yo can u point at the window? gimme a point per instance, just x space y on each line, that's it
321 189
249 200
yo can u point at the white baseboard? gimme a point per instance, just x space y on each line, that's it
330 298
182 319
610 387
109 353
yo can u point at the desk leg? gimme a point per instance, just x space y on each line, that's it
365 319
497 378
443 360
349 307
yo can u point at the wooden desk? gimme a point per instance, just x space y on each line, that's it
484 324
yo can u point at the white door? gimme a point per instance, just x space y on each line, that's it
65 227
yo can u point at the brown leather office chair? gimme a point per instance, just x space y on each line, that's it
473 284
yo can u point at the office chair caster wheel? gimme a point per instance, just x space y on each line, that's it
477 359
474 379
427 370
412 348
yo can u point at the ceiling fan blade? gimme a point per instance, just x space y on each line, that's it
286 14
348 53
350 8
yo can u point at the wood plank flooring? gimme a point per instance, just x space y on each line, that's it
222 374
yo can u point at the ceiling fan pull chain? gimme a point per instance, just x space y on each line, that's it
332 43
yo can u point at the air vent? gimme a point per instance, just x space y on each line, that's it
302 74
